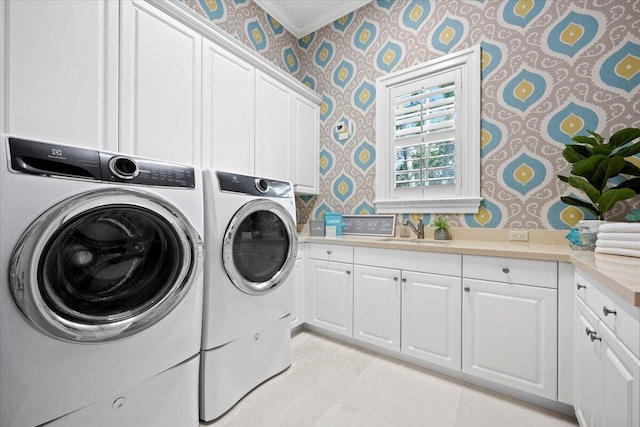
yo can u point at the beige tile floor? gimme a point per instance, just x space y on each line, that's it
333 384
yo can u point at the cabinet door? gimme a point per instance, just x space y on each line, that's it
160 105
228 91
273 128
618 384
306 142
509 335
376 306
331 296
431 318
60 71
297 279
585 357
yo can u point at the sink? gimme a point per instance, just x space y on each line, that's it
412 241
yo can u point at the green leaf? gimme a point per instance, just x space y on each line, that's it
587 167
581 139
573 153
630 169
606 169
581 204
602 149
613 196
623 137
563 178
629 151
582 184
633 184
597 137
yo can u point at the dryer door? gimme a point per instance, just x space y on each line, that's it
104 265
259 247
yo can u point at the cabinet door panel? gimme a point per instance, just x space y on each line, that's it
510 335
228 91
585 357
306 143
61 71
376 306
297 281
618 385
431 312
161 86
331 296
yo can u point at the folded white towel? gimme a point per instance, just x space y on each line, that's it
624 244
620 227
619 251
633 237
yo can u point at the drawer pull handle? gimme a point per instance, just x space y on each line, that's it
404 280
328 252
595 337
590 331
348 271
608 311
580 286
505 270
395 279
467 289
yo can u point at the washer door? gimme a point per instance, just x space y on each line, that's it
104 265
259 247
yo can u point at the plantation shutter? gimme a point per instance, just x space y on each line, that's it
424 130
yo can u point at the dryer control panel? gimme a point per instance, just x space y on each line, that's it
254 186
62 160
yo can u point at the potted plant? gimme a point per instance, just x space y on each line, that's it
595 162
441 226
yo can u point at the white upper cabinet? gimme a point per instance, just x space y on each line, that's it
273 128
228 116
160 98
306 143
61 72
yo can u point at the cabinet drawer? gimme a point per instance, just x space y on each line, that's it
622 323
329 252
511 270
424 262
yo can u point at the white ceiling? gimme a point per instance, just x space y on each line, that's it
302 17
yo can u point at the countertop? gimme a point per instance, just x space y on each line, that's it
619 273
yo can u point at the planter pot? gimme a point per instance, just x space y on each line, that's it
587 234
441 234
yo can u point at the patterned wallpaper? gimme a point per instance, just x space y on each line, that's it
550 70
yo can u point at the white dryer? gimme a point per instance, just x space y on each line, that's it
250 250
100 288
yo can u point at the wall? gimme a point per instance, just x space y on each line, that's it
561 55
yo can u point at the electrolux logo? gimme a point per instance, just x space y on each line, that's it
56 152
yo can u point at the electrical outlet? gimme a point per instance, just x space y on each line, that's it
519 235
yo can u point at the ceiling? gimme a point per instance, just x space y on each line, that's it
302 17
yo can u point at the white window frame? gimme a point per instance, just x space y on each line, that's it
464 197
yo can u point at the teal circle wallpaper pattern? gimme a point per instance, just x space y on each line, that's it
550 70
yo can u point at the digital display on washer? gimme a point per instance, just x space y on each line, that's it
254 186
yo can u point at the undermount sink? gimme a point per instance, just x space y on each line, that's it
412 241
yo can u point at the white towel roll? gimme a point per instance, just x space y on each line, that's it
623 244
620 227
618 251
632 237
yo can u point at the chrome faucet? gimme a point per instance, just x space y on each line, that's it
418 230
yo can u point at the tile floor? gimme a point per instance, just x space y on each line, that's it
333 384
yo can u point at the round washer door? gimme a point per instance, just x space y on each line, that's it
259 247
104 265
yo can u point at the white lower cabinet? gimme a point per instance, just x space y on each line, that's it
431 318
331 296
376 306
509 335
607 372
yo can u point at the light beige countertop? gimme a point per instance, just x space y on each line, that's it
621 274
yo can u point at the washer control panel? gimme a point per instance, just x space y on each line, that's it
47 159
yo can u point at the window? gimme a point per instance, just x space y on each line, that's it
428 137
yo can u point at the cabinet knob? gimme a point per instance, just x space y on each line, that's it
590 331
395 279
580 286
595 337
505 270
348 271
467 289
608 311
328 252
404 280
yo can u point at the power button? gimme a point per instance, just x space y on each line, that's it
123 167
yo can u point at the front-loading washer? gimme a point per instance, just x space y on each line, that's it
101 296
250 250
